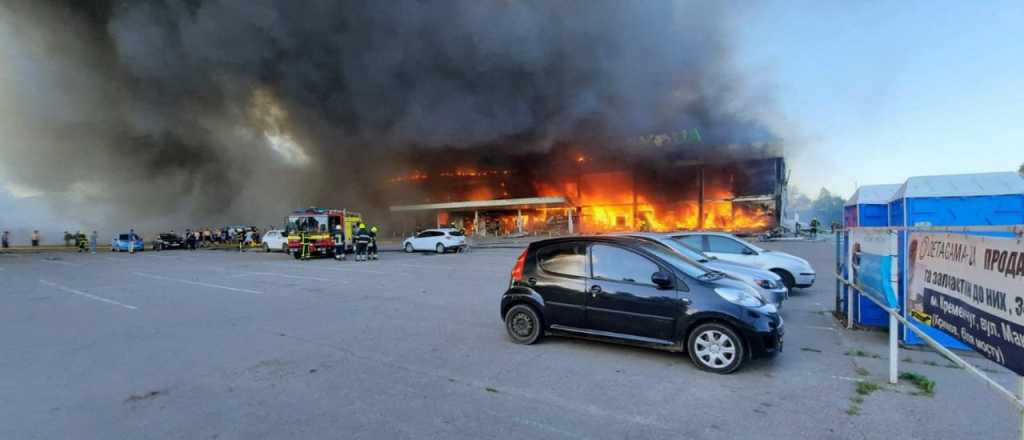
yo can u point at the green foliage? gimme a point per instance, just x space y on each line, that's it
866 388
922 382
827 208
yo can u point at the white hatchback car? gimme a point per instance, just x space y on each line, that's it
794 271
275 240
437 240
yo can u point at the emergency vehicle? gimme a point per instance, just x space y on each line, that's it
320 226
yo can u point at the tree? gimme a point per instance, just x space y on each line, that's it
827 208
1021 169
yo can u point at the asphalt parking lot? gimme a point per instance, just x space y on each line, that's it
217 344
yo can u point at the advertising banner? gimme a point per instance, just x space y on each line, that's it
971 287
872 262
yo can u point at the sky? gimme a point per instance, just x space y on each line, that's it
875 92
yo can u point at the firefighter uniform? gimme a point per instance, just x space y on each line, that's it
362 242
81 241
304 250
373 243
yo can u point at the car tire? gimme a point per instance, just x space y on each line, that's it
284 248
439 248
787 278
266 248
296 254
716 348
524 325
408 248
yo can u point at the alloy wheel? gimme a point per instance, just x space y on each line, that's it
715 349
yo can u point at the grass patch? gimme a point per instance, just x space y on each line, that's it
862 353
853 410
924 385
491 390
866 388
812 350
861 371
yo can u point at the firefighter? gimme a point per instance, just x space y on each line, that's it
339 242
362 242
81 241
815 224
304 249
352 236
373 243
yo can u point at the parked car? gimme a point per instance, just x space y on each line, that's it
275 240
768 283
125 242
168 240
794 271
629 290
439 240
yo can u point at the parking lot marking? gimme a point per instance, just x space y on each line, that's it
349 269
60 262
87 295
271 274
197 283
848 379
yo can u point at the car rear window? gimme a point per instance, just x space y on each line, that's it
564 259
456 233
123 237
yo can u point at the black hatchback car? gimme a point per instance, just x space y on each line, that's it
621 289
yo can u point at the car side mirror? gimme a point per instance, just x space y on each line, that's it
662 279
749 251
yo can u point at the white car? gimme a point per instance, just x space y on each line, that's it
769 284
794 271
437 240
275 240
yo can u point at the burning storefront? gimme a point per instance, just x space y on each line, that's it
591 190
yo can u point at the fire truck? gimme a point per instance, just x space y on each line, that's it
319 224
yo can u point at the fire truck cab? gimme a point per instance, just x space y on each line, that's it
320 224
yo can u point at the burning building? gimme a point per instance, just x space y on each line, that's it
591 190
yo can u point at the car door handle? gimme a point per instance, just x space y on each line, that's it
685 301
594 290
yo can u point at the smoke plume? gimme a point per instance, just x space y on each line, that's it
201 112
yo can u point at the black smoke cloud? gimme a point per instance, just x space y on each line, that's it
202 112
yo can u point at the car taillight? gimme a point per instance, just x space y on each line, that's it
517 271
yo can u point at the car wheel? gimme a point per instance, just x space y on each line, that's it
408 248
523 324
296 254
284 248
716 348
266 247
439 248
787 278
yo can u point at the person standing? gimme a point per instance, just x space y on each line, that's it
6 239
131 241
373 243
35 238
362 242
92 242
